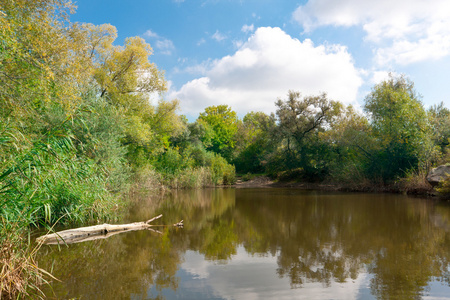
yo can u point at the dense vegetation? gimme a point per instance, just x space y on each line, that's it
77 124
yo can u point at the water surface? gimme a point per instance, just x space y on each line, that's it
265 244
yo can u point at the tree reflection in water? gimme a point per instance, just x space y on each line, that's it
317 237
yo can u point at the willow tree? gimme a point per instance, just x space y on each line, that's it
125 78
33 56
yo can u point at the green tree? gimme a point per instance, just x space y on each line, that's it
253 142
224 124
300 122
400 127
439 118
350 139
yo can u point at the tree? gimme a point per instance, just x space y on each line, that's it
253 142
350 138
399 125
439 118
300 120
224 124
33 56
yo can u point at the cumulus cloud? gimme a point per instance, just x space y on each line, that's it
265 68
405 31
379 76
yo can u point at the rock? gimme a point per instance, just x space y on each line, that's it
438 174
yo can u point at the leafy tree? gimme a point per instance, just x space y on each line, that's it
399 126
439 118
350 138
33 56
224 124
300 120
253 142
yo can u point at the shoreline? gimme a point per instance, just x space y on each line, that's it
266 182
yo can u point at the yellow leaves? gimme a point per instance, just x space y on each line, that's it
139 131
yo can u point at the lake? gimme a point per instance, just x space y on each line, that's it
266 243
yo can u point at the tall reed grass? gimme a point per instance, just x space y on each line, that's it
19 271
44 182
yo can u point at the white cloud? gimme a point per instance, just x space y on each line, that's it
265 68
218 36
238 44
198 69
150 34
165 46
379 76
201 42
406 31
248 28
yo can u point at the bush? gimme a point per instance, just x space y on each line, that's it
415 182
444 187
194 168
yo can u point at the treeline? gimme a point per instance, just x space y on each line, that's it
393 141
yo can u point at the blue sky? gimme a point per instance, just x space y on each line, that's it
248 53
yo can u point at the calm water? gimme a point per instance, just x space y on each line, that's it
265 244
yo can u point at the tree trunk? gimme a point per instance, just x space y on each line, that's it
95 232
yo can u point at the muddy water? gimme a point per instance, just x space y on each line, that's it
265 244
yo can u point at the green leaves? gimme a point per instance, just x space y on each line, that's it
223 122
399 125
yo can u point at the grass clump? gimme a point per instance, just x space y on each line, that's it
19 272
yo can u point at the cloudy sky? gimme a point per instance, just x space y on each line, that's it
248 53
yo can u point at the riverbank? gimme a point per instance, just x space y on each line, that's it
398 188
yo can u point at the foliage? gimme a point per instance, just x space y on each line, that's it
300 122
223 123
399 126
50 183
439 118
253 142
444 187
195 167
350 139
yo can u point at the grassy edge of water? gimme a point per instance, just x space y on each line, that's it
20 275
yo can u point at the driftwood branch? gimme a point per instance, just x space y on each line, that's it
96 232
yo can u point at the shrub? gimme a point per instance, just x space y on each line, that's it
444 187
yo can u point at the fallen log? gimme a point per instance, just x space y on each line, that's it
95 232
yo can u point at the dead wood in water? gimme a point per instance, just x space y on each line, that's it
96 232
